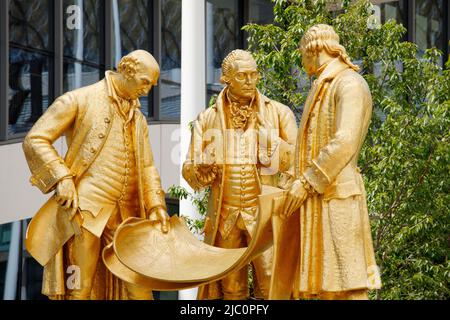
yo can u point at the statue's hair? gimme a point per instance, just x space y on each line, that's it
227 64
128 66
323 37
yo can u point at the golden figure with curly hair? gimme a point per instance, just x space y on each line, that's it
245 140
106 176
331 242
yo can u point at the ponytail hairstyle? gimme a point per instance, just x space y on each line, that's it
323 37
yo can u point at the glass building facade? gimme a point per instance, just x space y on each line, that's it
49 47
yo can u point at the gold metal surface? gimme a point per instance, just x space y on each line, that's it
332 255
176 260
177 256
48 231
245 141
106 176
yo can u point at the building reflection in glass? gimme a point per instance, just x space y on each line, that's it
429 20
82 44
393 10
170 59
133 29
30 57
222 36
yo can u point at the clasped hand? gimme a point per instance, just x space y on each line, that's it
295 197
206 173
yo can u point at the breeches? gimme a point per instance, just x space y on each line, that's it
235 285
84 251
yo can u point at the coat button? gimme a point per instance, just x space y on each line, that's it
107 120
101 135
93 150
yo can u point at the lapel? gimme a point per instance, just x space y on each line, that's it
222 126
330 72
138 144
261 102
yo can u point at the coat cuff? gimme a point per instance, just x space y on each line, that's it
154 198
46 177
316 177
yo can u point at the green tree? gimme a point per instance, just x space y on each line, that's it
200 202
405 158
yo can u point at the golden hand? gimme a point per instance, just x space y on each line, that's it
295 197
67 196
206 173
160 214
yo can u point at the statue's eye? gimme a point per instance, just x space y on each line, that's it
145 81
240 76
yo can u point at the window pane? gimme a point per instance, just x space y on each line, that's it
5 239
82 30
30 57
134 31
132 21
261 11
393 10
27 270
429 21
170 59
77 75
222 36
28 88
29 23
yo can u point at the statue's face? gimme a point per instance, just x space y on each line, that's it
243 79
145 78
310 63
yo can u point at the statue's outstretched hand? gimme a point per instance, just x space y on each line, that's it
160 214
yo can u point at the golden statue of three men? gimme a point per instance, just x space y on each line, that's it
246 148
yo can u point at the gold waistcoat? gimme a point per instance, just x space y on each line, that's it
240 194
112 177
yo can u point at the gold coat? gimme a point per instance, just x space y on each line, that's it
335 250
209 128
84 116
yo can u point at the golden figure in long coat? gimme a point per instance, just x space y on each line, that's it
106 176
243 141
335 257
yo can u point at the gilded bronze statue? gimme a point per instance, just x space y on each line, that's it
332 256
106 176
241 143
